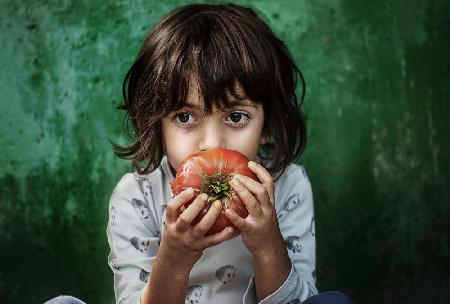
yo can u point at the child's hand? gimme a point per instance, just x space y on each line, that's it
182 243
260 231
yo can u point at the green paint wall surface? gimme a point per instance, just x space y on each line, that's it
378 155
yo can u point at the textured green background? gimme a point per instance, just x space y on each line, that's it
378 98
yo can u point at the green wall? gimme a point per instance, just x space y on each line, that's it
378 155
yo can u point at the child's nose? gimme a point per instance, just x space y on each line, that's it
212 136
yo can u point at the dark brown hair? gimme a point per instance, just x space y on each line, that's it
220 45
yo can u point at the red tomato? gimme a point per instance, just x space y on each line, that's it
210 172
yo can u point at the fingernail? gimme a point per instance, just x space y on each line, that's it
218 204
234 182
237 176
230 229
204 196
189 190
251 164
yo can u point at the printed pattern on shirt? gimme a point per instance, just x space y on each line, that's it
112 213
141 208
123 300
290 204
193 294
143 276
145 187
293 244
143 245
226 274
312 227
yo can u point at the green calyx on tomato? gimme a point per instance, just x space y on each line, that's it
216 186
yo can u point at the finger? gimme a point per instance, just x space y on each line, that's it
175 203
224 235
265 178
247 197
208 220
256 188
184 221
236 220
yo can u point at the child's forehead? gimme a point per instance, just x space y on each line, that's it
199 104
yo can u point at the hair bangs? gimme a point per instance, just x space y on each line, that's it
218 55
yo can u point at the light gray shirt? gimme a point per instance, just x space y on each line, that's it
224 273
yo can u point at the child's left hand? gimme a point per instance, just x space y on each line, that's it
260 231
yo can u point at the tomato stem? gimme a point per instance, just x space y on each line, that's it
217 186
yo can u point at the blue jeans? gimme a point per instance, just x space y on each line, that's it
328 297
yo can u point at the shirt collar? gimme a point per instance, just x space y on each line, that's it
165 166
168 177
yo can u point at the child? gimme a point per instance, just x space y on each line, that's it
213 76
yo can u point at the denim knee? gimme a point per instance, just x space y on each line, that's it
329 297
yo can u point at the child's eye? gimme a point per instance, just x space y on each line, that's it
183 119
238 119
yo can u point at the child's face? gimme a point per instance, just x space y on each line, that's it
189 130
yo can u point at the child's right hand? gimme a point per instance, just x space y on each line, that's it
182 243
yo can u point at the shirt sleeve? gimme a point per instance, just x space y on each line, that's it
133 237
295 213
